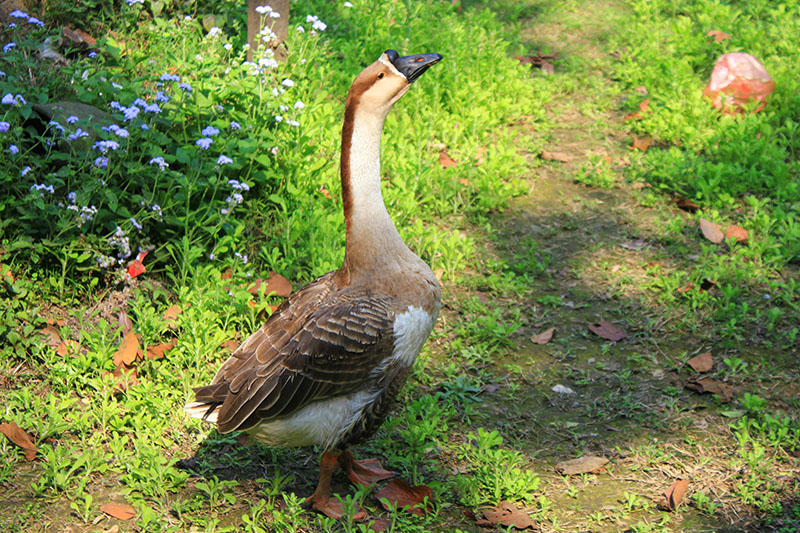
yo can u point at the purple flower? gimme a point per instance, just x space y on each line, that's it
77 135
140 102
92 54
160 162
34 20
72 119
204 143
235 125
224 160
4 127
105 146
8 46
13 149
130 113
136 224
161 97
17 14
170 77
25 171
101 162
152 108
185 86
209 131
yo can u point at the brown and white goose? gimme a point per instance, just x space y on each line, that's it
325 367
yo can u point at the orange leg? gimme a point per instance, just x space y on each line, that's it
321 500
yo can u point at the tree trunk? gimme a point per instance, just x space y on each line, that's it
280 26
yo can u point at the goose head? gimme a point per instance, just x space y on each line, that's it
382 83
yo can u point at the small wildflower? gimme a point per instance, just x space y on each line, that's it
348 4
209 131
293 123
8 46
161 97
72 119
56 126
25 171
242 257
8 99
140 102
130 113
17 14
131 2
263 10
227 46
268 62
35 21
92 54
101 162
287 83
13 149
115 106
319 26
157 210
72 197
105 261
4 127
144 126
224 160
283 107
160 162
275 15
105 146
214 32
152 108
301 29
185 86
79 133
278 118
235 125
204 143
170 77
299 105
136 224
211 255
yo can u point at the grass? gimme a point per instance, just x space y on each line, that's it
521 245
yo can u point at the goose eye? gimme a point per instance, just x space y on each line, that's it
381 75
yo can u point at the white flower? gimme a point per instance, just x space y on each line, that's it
263 10
299 105
348 4
214 32
287 83
278 118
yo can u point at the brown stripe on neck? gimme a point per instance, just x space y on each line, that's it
353 98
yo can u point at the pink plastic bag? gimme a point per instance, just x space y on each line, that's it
738 79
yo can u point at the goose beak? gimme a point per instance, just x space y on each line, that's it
412 66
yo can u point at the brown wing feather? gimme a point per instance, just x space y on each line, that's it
319 344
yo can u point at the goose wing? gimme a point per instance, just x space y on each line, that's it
320 343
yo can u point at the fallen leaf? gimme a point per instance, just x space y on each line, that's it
701 363
608 331
172 312
548 68
725 392
227 274
556 156
686 204
674 494
158 351
125 324
641 143
581 465
70 347
279 285
120 511
543 337
736 232
398 492
445 160
538 60
128 350
719 36
685 288
325 192
480 155
733 413
464 181
641 89
50 336
231 345
379 524
506 514
711 231
16 435
643 106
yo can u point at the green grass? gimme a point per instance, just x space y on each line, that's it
521 245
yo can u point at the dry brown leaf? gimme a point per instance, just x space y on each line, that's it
128 351
674 494
543 337
548 68
581 465
506 514
725 392
556 156
379 524
736 232
16 435
719 36
279 285
72 348
711 231
643 106
231 345
686 204
172 312
158 351
685 288
50 336
227 274
401 494
445 160
608 331
120 511
480 155
641 143
325 192
701 363
125 324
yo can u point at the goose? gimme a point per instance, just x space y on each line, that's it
325 367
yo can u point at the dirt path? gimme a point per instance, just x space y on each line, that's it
628 401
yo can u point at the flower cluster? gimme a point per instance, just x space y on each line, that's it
121 242
18 14
316 24
42 187
236 197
